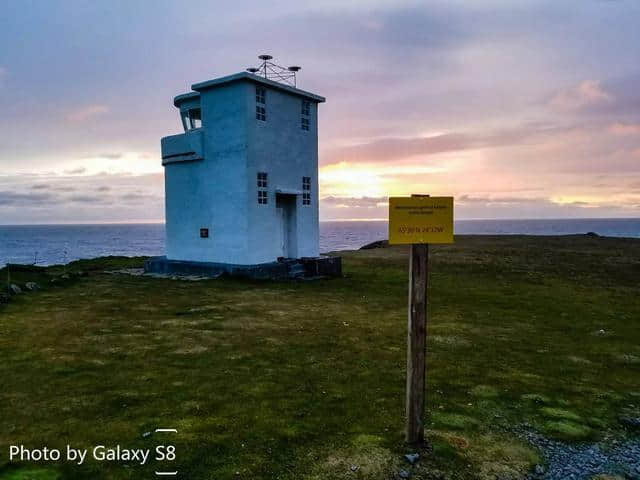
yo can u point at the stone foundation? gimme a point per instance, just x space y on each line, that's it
304 268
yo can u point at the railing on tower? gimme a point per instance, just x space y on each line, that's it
273 71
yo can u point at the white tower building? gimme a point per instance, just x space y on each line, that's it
241 182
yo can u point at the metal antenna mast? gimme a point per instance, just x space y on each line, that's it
273 71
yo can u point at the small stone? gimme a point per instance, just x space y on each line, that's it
404 474
65 276
15 289
146 434
412 458
540 470
601 332
355 468
31 286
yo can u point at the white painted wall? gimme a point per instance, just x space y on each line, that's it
220 191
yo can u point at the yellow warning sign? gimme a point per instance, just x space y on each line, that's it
420 219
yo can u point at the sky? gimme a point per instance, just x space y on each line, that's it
517 108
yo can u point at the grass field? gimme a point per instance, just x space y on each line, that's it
283 380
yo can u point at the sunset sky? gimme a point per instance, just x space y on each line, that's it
519 109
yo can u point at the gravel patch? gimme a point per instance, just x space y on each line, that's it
577 462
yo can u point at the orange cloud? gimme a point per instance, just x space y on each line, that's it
624 129
587 93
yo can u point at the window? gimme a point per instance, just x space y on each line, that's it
306 107
262 184
261 94
204 233
191 119
186 124
305 112
261 97
306 190
196 119
262 180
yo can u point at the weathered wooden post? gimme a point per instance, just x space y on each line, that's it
416 341
418 220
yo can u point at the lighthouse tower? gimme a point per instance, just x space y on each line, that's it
241 181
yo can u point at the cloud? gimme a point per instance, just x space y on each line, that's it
387 149
586 94
137 197
86 112
397 74
464 199
80 198
84 198
354 202
41 186
16 198
110 156
625 129
75 171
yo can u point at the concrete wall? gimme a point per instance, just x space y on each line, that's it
212 193
220 192
281 148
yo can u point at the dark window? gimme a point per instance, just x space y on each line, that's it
261 95
261 113
262 184
262 179
204 233
196 118
306 187
304 125
191 119
306 107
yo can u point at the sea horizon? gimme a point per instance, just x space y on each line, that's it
48 244
478 219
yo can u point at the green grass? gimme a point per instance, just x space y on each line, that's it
281 380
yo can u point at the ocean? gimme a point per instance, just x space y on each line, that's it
55 244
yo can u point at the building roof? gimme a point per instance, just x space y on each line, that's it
246 76
185 96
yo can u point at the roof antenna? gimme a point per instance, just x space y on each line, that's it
273 71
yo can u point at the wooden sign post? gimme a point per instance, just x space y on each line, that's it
417 341
418 220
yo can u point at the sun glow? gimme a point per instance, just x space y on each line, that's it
370 180
352 180
135 163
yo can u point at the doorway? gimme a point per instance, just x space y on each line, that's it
286 225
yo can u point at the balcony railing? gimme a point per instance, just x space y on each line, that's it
185 147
